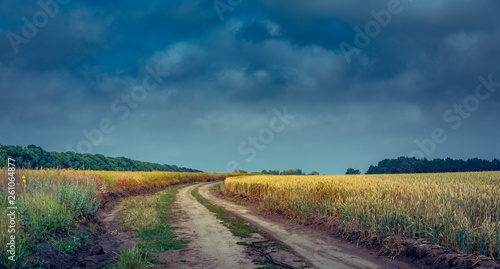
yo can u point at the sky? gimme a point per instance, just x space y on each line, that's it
253 85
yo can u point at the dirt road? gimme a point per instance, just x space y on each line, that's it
211 245
320 249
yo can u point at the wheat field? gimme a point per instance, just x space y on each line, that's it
458 211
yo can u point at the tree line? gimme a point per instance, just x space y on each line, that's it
277 172
34 157
407 165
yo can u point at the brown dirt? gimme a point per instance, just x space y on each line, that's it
109 219
405 250
212 245
106 245
96 255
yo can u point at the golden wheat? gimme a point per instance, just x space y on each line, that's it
460 211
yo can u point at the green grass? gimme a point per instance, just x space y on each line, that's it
66 246
280 246
151 218
218 189
70 244
236 201
236 226
133 259
47 210
79 199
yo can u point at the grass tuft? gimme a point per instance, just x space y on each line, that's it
70 244
133 259
79 199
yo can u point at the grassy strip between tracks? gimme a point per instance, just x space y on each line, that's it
236 226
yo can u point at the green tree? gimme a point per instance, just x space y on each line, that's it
34 157
270 172
352 171
292 172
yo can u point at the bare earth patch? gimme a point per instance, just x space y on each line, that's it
211 244
109 219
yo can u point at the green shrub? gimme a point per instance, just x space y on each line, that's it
42 215
21 252
79 199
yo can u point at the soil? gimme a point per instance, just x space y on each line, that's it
95 255
212 245
109 219
409 253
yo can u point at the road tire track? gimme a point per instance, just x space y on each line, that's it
211 245
320 249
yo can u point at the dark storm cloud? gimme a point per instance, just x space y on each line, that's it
226 77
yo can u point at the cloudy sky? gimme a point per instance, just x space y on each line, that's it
217 85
